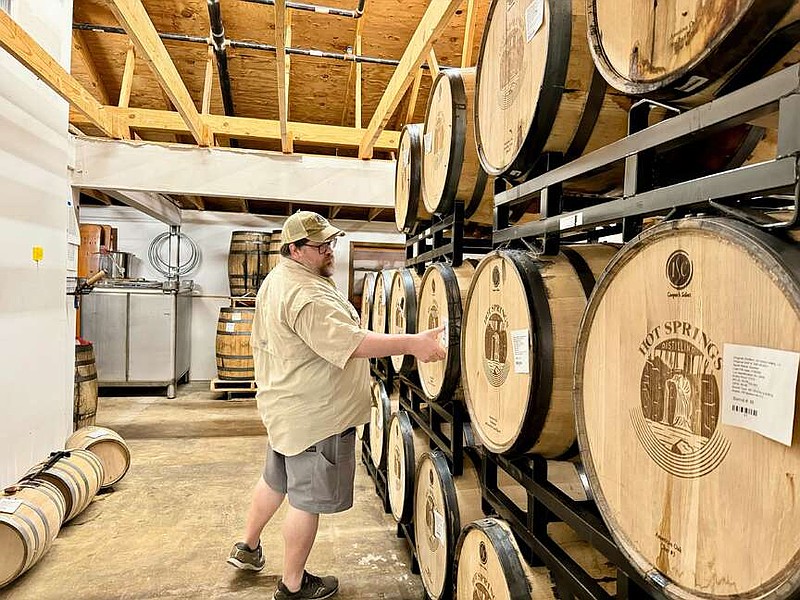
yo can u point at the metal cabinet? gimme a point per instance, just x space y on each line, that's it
141 332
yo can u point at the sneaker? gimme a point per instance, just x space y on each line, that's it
242 557
312 587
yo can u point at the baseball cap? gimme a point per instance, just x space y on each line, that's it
307 224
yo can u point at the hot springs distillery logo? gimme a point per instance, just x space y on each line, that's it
677 419
495 339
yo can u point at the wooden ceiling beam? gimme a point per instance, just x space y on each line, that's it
283 79
355 49
433 22
469 34
412 101
17 42
81 50
99 196
208 82
433 64
127 85
132 15
144 119
334 211
374 212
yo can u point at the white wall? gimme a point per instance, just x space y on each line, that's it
211 231
37 322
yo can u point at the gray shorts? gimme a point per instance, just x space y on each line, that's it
319 480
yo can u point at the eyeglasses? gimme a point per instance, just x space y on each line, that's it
325 247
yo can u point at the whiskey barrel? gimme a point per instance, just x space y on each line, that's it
248 261
384 405
409 210
443 504
380 301
85 389
76 473
451 171
274 249
234 355
403 313
520 326
489 564
108 446
404 448
441 296
678 345
31 514
367 295
488 559
670 50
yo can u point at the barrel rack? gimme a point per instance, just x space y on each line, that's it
743 193
746 193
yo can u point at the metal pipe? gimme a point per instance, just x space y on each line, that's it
325 10
348 57
221 55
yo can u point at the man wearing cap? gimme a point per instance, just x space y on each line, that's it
312 374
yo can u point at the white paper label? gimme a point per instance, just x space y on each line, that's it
9 505
438 526
571 221
758 390
519 344
95 434
236 316
534 16
229 327
428 142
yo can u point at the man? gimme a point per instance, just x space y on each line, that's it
312 374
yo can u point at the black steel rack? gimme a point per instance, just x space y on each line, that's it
432 244
744 192
546 503
430 416
378 476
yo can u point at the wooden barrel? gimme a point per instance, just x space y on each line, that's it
31 514
367 295
441 295
680 352
380 301
234 355
520 326
403 313
384 405
670 51
76 473
451 171
442 506
108 446
404 448
248 261
409 209
489 564
85 390
274 249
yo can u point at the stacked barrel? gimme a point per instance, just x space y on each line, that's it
644 365
55 491
252 255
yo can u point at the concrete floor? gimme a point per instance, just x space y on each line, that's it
166 529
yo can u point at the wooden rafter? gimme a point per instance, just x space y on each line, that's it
433 22
433 64
208 82
374 212
17 42
97 195
469 35
132 15
127 85
96 83
412 101
144 119
283 80
356 51
334 211
358 121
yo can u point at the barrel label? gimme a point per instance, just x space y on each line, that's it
9 505
676 421
512 65
495 345
400 315
534 17
679 271
481 586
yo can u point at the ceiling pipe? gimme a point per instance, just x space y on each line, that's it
221 55
348 57
324 10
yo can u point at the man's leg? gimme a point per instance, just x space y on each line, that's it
299 533
265 503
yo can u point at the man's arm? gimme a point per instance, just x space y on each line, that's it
424 346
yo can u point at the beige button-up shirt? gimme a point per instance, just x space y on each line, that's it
304 332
